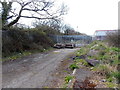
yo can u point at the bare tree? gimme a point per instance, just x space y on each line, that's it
68 30
48 26
37 9
55 24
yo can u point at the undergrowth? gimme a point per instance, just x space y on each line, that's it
108 55
15 56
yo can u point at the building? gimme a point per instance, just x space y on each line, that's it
101 34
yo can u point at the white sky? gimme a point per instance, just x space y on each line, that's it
91 15
86 16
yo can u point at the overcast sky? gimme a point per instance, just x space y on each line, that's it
86 16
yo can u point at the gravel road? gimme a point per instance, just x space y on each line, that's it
34 71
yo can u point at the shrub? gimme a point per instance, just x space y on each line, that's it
17 41
14 41
113 39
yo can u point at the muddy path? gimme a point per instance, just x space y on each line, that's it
34 71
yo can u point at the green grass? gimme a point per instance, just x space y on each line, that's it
116 62
110 84
116 75
109 56
115 49
81 61
15 56
73 66
82 51
68 78
110 79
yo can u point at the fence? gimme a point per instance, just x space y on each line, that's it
84 39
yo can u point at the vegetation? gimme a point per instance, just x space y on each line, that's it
18 41
73 66
16 55
68 78
108 57
113 39
17 38
38 9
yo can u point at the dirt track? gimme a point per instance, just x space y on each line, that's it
33 71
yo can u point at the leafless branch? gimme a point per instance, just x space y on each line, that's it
38 9
38 17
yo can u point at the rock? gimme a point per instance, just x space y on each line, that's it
79 57
93 62
91 68
73 57
92 53
82 57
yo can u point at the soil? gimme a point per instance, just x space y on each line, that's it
36 71
85 76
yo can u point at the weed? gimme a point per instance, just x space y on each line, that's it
103 69
105 57
19 55
118 56
73 66
83 62
76 60
65 86
102 52
82 51
116 75
110 84
116 62
110 79
109 57
115 49
78 54
68 78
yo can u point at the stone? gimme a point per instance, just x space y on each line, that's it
93 62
